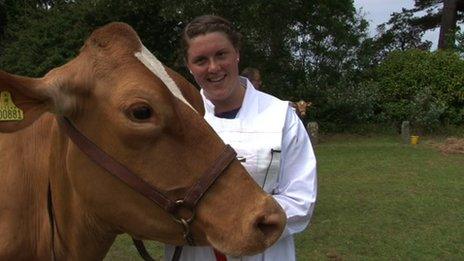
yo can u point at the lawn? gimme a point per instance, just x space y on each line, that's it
378 200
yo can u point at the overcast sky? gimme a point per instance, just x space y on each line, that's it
378 11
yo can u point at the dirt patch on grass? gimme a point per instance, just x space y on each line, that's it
451 146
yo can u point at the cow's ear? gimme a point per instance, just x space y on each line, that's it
22 101
189 91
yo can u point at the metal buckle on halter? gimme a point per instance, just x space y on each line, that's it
184 221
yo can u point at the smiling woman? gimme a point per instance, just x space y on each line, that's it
270 140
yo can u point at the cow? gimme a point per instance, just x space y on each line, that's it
57 203
301 107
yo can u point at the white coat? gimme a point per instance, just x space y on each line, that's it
274 147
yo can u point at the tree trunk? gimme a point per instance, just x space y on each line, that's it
448 24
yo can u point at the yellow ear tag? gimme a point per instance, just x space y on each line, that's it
9 111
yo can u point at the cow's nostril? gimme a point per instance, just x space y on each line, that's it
269 225
267 229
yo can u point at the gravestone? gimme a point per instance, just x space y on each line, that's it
405 132
313 131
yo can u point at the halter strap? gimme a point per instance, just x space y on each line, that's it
191 198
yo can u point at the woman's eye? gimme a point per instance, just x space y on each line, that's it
141 113
200 61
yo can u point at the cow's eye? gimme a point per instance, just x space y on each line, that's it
140 113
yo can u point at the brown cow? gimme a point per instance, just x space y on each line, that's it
118 95
301 107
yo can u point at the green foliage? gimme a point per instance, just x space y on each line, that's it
41 37
399 33
349 106
460 42
38 39
422 87
307 47
312 50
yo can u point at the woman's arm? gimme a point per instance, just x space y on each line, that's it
297 185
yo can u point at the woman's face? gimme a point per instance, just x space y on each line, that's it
213 61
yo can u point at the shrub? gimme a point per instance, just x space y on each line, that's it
423 87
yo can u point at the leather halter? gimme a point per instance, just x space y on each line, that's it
191 198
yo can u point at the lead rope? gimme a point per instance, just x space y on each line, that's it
177 253
146 256
52 221
142 250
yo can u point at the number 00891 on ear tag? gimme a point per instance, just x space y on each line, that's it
8 110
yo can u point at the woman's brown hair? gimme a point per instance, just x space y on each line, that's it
204 24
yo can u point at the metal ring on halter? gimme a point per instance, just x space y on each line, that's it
185 225
181 220
185 222
187 234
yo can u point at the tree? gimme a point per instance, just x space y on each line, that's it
304 49
446 18
398 34
41 35
448 24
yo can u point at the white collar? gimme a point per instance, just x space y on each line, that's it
247 103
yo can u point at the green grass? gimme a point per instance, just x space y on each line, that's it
124 250
377 200
381 200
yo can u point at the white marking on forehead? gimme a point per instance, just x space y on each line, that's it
156 67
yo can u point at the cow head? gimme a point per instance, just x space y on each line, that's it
149 118
302 107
